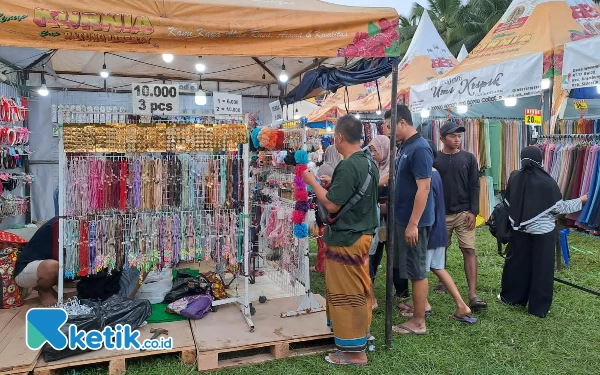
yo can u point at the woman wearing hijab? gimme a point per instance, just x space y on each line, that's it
380 150
533 199
331 158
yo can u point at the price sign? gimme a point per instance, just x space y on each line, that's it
533 116
580 104
227 104
155 99
276 111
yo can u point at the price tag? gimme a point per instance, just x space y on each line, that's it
227 104
533 116
155 99
580 104
276 111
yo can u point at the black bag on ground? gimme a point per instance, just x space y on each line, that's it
99 286
114 310
499 225
185 285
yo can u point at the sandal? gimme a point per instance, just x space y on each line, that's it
344 361
406 331
477 304
440 289
464 319
407 310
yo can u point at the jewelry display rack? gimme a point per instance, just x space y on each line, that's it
297 282
243 300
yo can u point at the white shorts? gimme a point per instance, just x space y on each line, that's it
436 259
28 278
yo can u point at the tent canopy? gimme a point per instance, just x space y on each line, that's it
525 46
307 28
79 70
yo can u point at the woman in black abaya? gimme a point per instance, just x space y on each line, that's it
534 199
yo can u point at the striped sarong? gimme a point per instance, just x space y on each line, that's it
348 293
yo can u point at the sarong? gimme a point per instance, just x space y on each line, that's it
348 294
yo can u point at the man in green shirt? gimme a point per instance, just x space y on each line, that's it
348 242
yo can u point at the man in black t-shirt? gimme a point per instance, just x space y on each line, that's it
37 264
460 175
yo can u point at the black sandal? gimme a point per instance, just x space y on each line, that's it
477 304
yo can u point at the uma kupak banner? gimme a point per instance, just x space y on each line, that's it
299 28
512 79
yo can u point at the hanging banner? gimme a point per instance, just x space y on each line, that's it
150 99
306 28
533 116
276 111
581 64
512 79
227 104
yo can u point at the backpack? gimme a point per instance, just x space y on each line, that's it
499 225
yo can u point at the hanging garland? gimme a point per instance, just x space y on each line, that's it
301 195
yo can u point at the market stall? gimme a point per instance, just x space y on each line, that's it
145 178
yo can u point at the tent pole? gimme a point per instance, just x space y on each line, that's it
390 246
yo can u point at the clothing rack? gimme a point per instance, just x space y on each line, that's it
298 281
243 300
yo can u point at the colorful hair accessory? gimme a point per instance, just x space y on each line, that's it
301 195
280 139
255 140
281 157
301 206
300 230
300 168
299 183
298 217
301 157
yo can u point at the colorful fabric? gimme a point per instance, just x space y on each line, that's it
11 293
348 298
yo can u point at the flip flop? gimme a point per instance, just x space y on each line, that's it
407 331
343 358
477 304
409 310
464 319
440 289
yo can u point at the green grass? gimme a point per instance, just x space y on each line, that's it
506 340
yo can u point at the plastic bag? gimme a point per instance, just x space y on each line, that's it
156 286
114 310
185 285
198 307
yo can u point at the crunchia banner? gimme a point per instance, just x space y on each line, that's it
581 64
300 28
518 78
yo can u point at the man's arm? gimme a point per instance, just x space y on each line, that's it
423 187
474 185
321 195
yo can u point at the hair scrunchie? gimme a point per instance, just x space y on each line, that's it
300 230
301 157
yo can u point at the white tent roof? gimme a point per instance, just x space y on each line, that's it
79 70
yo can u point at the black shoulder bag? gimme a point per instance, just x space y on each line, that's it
329 218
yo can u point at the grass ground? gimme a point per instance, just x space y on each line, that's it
506 340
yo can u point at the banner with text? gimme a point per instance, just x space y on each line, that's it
306 28
581 64
512 79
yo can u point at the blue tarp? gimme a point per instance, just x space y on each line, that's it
366 70
585 93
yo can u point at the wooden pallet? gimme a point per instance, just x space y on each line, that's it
15 356
183 343
224 340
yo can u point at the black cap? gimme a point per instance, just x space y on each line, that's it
450 127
